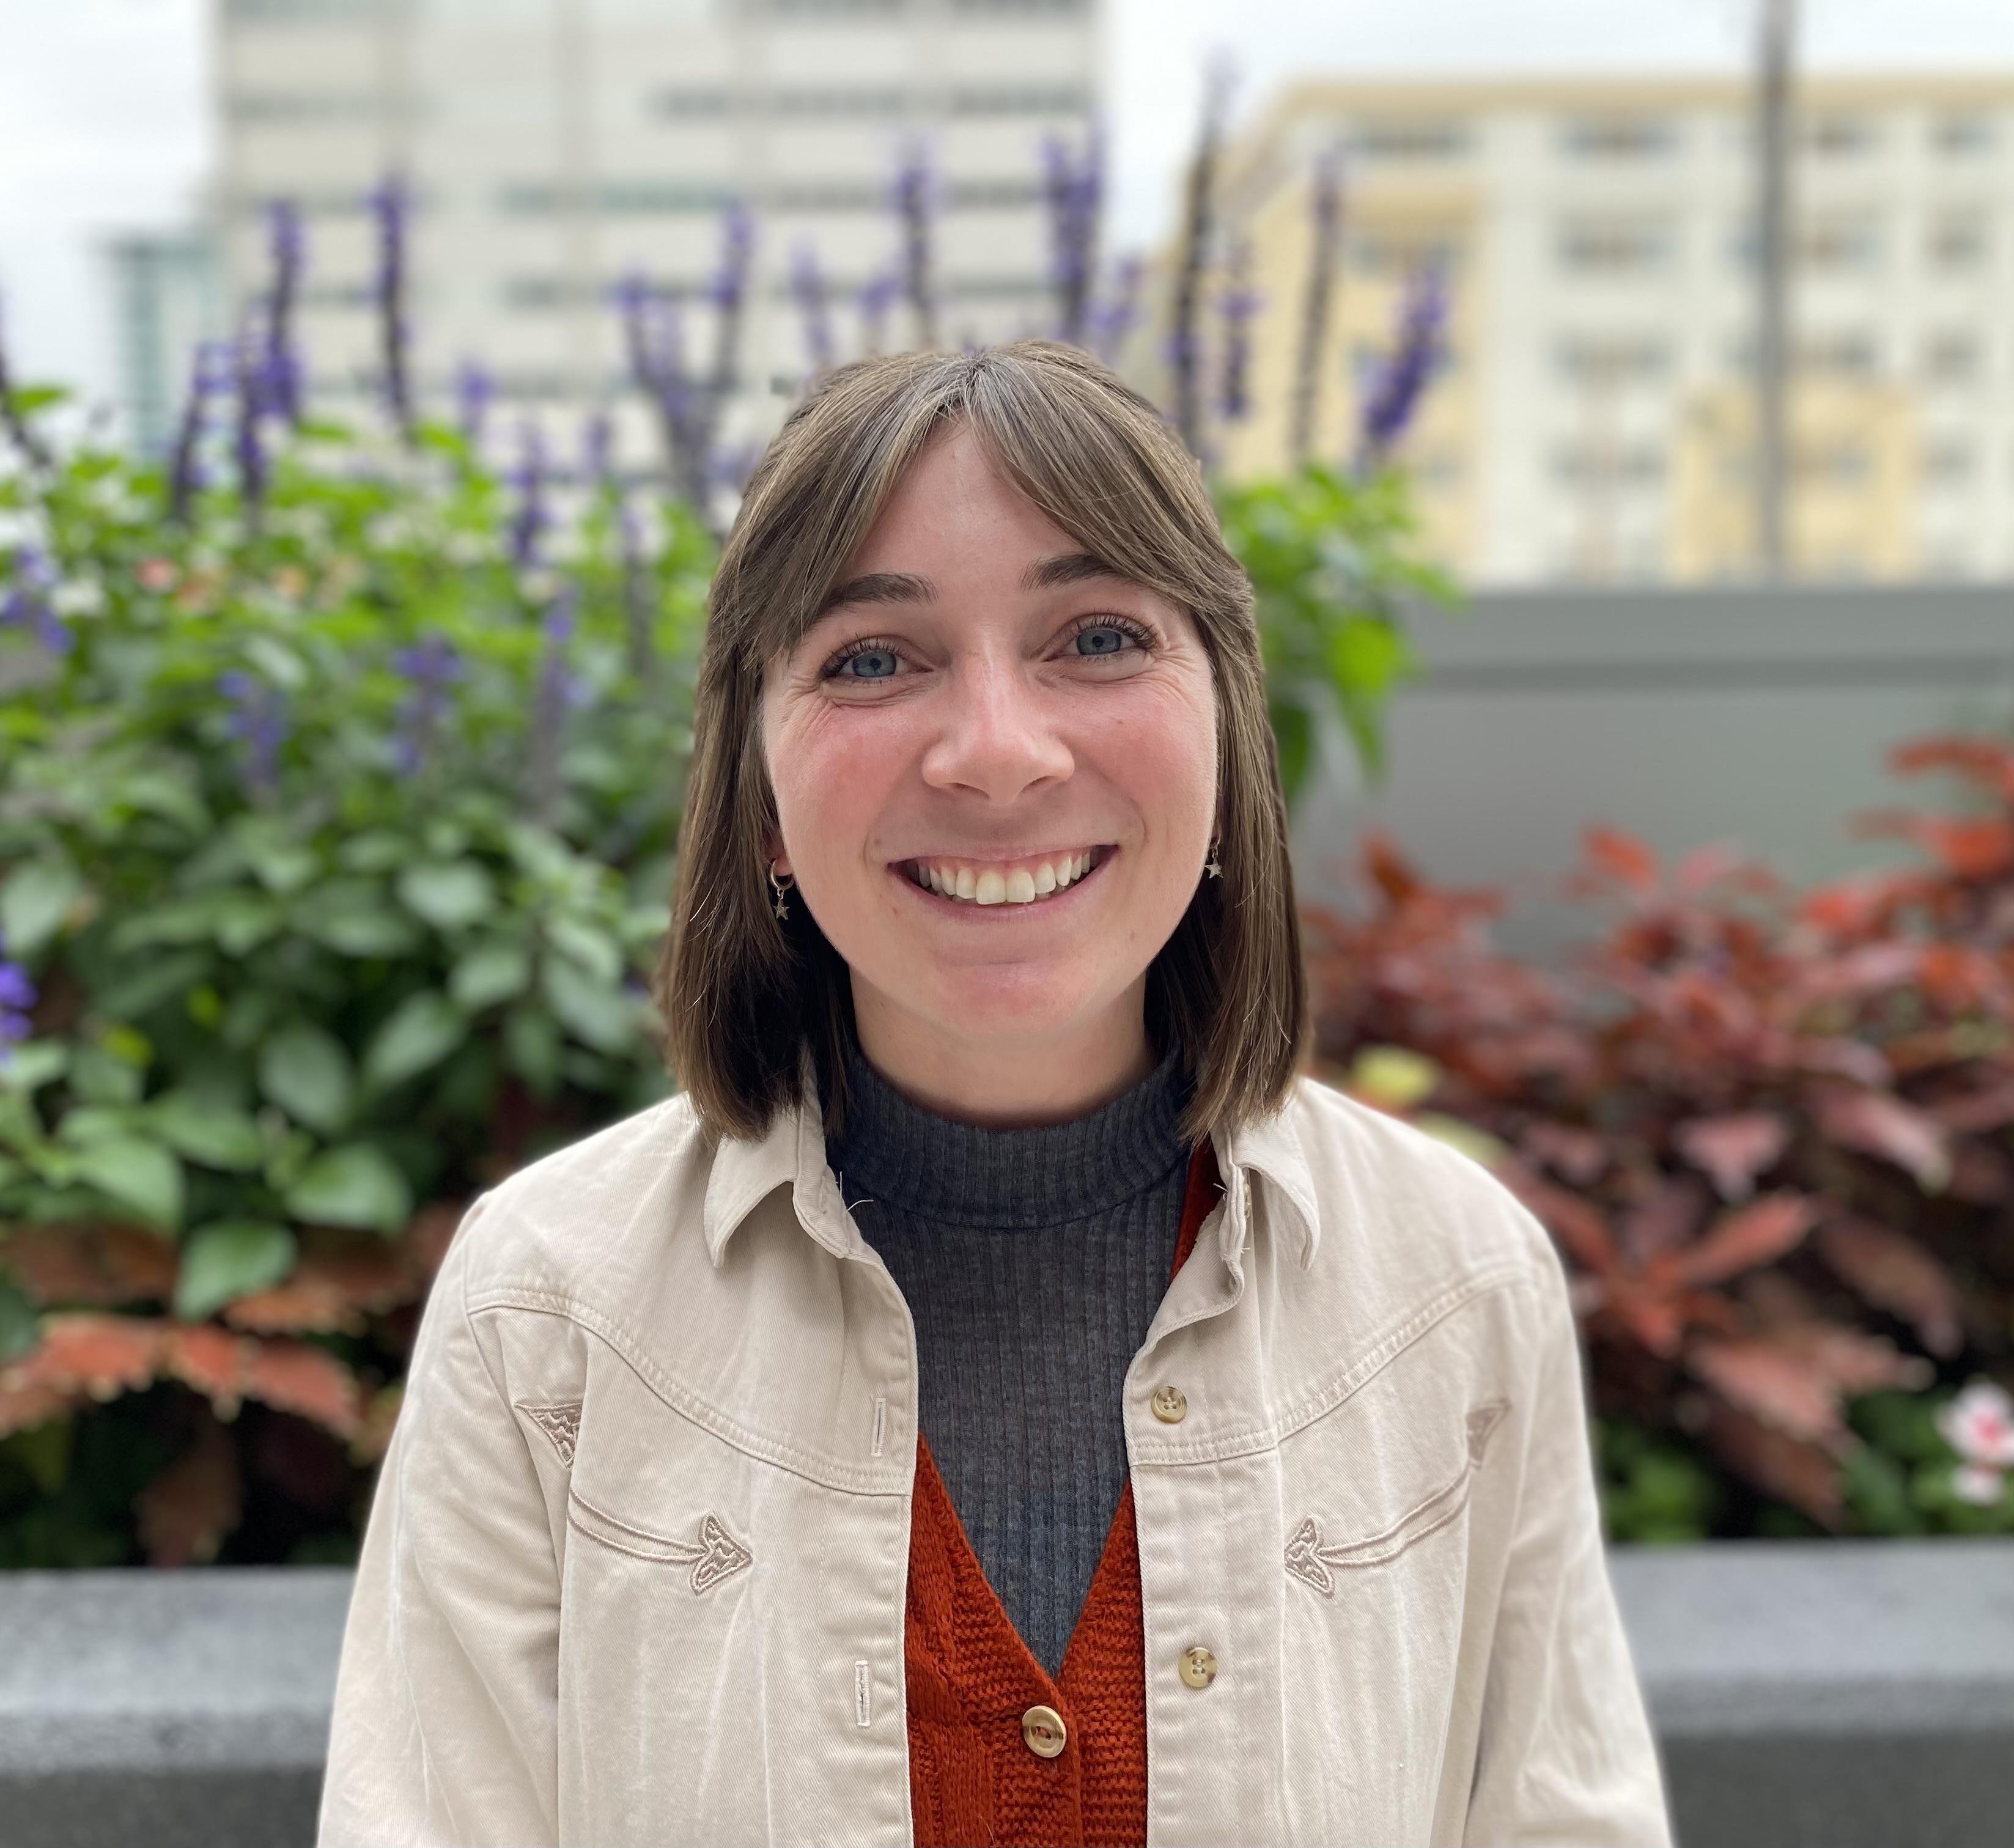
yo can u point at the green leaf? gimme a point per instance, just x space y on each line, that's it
20 1327
276 662
354 1185
244 922
157 979
100 1076
307 1073
142 1176
32 1064
595 1011
38 896
229 1258
448 895
351 918
211 1133
531 1046
592 947
492 973
423 1030
97 1123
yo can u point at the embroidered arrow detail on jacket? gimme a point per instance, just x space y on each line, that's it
560 1423
1314 1563
717 1556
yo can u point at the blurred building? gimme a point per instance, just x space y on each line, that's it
167 295
556 147
1595 416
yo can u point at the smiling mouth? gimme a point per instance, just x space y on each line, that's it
1033 880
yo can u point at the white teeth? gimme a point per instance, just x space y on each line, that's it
1021 886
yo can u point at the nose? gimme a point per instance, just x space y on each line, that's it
999 735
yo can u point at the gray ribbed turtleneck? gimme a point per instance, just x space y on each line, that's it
1032 1261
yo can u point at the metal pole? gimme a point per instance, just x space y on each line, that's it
1772 355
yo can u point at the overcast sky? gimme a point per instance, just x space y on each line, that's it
102 123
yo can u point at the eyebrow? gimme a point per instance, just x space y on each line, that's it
906 587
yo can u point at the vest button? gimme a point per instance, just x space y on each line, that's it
1171 1404
1199 1668
1043 1732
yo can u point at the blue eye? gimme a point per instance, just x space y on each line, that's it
1102 638
875 664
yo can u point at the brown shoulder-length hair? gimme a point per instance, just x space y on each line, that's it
742 994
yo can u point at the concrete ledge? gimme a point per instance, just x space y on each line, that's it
1806 1694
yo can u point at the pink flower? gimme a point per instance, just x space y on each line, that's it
1980 1486
156 574
1979 1425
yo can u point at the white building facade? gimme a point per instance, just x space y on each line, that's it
556 147
1596 422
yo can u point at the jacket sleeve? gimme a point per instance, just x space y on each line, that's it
1566 1757
446 1696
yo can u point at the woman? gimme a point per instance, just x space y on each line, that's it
826 1453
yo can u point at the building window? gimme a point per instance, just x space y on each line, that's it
300 12
653 198
1609 465
1843 464
1843 353
1951 358
1838 246
1619 138
1959 242
1950 462
1832 137
1391 254
1396 140
1964 133
716 103
1597 359
303 108
1614 247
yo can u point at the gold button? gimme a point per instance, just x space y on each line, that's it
1171 1404
1042 1729
1199 1668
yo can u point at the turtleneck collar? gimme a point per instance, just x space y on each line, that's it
1008 1180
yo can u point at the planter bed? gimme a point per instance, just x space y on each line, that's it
1833 1693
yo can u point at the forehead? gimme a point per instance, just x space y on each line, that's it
953 506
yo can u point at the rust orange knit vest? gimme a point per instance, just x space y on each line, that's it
972 1780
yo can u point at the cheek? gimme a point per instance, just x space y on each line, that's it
832 773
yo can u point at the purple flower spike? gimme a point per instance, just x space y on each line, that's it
473 391
808 287
282 382
390 206
209 373
915 199
1114 318
249 439
1237 305
29 604
597 449
1073 190
18 994
258 721
729 282
432 667
532 516
1396 391
557 692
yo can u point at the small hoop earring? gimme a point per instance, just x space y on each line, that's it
782 911
1210 865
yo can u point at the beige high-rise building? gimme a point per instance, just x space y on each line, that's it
1595 418
556 146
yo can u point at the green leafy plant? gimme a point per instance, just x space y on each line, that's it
336 828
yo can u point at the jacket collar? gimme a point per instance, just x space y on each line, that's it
791 1153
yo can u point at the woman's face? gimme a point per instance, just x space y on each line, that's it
981 711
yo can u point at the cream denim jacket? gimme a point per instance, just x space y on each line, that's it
635 1571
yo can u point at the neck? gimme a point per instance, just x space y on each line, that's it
1007 1083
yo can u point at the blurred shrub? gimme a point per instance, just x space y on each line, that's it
1770 1132
336 825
